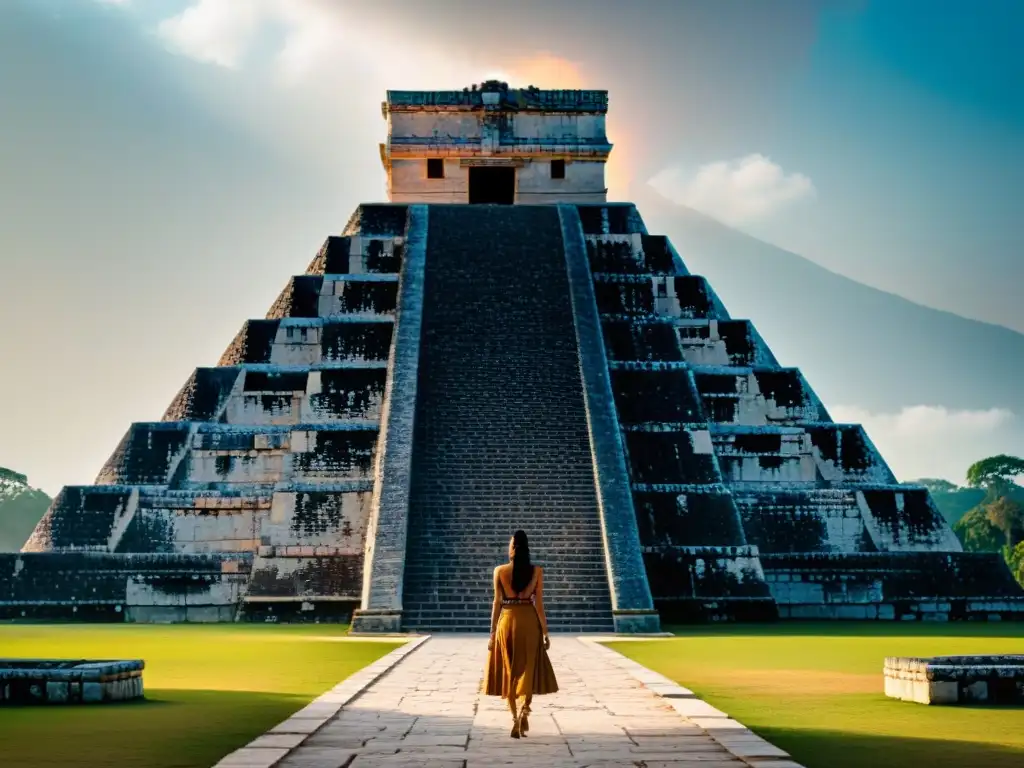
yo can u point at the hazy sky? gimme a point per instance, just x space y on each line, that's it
165 165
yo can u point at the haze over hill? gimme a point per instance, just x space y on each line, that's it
914 375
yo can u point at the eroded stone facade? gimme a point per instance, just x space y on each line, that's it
551 145
263 465
751 502
395 402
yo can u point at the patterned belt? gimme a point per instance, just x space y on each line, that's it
516 601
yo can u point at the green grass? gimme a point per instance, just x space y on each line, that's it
816 691
209 690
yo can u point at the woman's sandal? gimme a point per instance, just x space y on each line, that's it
524 724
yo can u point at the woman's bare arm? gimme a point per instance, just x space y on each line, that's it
539 602
496 606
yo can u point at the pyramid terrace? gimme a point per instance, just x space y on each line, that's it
498 347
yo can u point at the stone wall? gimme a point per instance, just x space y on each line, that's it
94 586
930 586
524 129
583 182
698 584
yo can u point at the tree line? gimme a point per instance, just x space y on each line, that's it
996 522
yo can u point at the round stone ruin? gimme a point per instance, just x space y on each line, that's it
956 679
55 681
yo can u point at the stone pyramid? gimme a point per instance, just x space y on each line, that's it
444 374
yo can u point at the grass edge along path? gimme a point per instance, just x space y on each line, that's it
210 689
815 690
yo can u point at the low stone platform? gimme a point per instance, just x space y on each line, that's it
956 679
59 681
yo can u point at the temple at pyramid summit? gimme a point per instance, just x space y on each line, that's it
498 347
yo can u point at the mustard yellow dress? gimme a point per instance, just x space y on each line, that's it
518 666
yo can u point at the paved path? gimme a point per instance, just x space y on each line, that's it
427 710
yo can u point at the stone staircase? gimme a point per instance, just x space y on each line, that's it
501 438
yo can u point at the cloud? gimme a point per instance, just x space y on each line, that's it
309 42
926 420
224 32
217 31
933 441
321 46
735 191
311 38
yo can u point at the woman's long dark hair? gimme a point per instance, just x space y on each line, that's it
522 569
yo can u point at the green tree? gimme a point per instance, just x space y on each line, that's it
1015 559
1008 516
995 474
977 533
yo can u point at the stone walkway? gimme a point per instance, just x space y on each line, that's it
421 706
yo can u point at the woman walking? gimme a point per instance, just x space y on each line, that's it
518 666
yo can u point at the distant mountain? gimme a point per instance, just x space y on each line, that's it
856 344
21 507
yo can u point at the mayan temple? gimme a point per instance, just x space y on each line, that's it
497 347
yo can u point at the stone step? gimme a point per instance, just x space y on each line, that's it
467 551
482 608
536 526
501 541
440 591
572 572
575 569
470 567
465 563
437 595
581 612
501 438
472 553
554 586
588 614
460 626
483 623
499 547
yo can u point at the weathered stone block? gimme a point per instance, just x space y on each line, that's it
936 692
644 623
92 692
976 691
57 692
956 679
369 621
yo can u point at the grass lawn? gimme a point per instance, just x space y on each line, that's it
816 691
209 690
